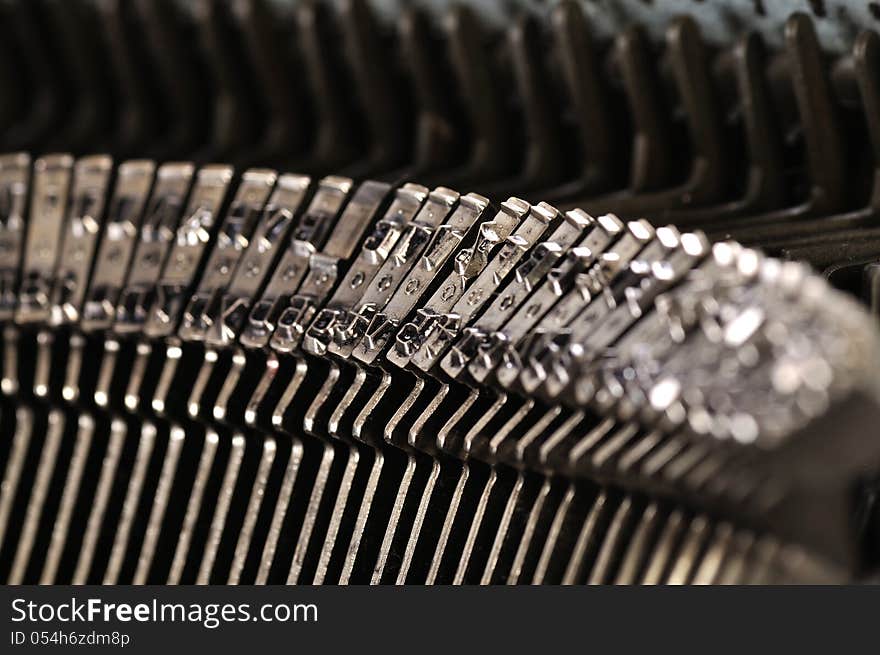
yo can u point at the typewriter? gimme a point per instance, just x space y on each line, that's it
375 292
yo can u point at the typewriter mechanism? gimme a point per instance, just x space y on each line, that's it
316 292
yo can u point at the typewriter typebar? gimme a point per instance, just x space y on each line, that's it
399 384
364 292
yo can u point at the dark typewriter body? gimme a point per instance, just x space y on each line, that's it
312 292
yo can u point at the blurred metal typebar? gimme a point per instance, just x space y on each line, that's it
316 292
